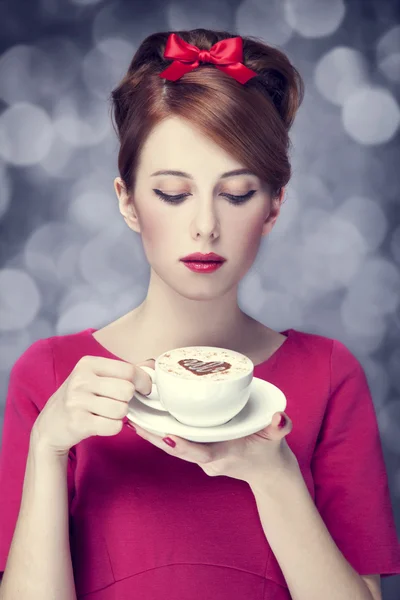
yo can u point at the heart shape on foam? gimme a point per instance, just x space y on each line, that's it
199 367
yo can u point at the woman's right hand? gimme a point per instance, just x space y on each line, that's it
93 400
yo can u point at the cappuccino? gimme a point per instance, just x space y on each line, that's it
204 362
203 386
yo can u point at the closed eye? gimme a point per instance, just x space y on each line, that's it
178 199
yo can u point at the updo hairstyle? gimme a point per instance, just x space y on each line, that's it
250 121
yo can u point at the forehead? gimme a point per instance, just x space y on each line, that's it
175 144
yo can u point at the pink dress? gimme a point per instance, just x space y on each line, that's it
145 524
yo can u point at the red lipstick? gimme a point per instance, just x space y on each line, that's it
203 267
199 257
203 263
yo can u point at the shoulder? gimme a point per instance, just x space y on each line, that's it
337 352
35 373
330 360
38 355
46 352
31 382
313 348
347 385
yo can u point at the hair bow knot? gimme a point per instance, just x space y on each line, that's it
226 55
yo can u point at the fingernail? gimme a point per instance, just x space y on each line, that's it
170 442
129 424
282 422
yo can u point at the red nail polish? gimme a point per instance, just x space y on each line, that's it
170 442
282 422
129 424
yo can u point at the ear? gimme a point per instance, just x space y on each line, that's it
126 205
275 209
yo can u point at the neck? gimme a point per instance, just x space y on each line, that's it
173 320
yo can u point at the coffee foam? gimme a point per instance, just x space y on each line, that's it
203 362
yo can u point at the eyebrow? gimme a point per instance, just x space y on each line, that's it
223 176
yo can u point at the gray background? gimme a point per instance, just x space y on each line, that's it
331 264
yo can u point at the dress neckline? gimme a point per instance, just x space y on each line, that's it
288 333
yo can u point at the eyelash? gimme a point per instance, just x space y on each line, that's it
180 197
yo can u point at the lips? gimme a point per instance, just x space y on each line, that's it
198 257
203 267
201 261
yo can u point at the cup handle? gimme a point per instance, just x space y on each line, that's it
152 400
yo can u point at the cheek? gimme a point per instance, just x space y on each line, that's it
246 239
247 231
157 233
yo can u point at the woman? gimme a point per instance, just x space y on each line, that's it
107 513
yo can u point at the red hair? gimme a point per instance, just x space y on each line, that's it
251 122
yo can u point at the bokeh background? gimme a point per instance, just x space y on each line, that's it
331 265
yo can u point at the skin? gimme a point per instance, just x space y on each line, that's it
182 306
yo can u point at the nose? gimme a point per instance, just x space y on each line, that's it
205 221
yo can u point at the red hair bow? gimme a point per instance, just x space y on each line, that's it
226 55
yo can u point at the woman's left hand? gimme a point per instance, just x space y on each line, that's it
261 456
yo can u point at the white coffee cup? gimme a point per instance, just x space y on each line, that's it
208 387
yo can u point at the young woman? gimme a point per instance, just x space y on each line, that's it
91 509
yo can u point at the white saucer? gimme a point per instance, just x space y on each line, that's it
265 400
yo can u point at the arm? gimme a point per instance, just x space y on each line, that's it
311 563
39 565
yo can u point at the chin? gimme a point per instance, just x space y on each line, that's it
202 292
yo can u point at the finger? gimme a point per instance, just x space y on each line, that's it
142 380
190 451
135 378
149 362
281 423
273 431
106 367
122 389
105 407
109 387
